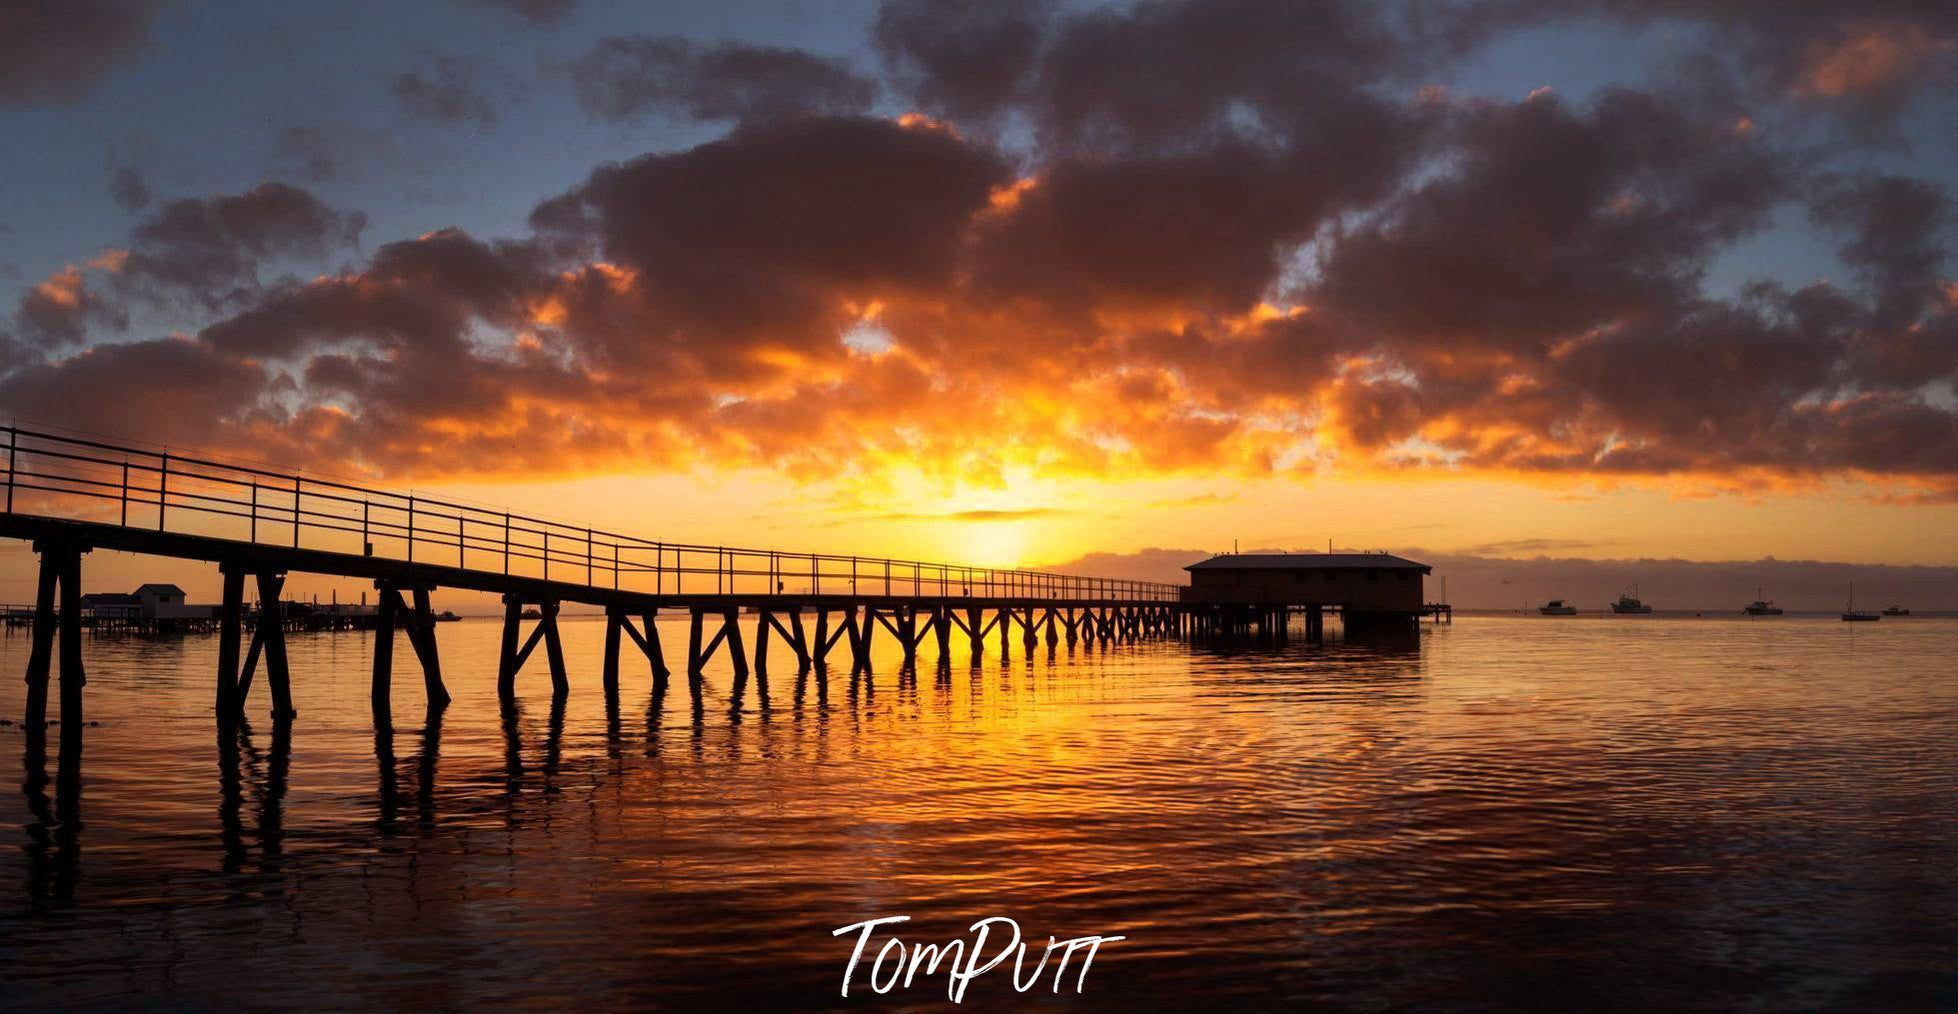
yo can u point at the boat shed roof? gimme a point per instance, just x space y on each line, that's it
1309 561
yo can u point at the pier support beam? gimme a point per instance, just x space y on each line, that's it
60 581
790 633
825 640
431 660
391 612
617 622
730 633
512 658
230 622
269 640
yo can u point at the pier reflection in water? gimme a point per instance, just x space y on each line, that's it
1606 814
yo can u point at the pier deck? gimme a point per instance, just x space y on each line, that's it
68 496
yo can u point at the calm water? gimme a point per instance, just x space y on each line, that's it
1510 812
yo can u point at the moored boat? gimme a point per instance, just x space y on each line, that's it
1851 614
1629 602
1761 606
1557 607
1895 611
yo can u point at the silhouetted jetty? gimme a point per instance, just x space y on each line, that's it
70 496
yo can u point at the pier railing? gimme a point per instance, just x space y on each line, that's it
57 476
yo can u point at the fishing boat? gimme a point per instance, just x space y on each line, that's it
446 616
1557 607
1895 611
1629 603
532 613
1761 606
1851 614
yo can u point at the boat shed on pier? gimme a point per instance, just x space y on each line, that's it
1359 585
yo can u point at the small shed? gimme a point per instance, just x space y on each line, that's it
1355 582
166 602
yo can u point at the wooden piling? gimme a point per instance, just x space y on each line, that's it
554 649
425 650
72 677
381 694
230 620
614 625
41 655
732 631
506 672
763 620
798 640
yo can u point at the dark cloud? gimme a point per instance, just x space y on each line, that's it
164 390
1867 61
1161 76
60 311
444 90
536 12
129 189
413 294
58 51
210 249
626 77
762 237
1206 231
969 60
1555 219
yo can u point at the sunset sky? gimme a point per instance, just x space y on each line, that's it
1015 283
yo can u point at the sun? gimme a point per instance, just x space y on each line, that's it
987 543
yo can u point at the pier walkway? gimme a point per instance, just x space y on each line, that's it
68 496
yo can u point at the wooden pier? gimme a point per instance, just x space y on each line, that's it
69 496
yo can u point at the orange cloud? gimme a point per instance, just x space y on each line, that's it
1867 59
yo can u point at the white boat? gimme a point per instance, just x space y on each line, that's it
1761 606
1629 603
1557 607
1895 611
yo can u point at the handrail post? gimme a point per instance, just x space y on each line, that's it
547 551
125 488
506 543
13 438
411 527
254 506
163 491
615 565
296 480
587 557
462 541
